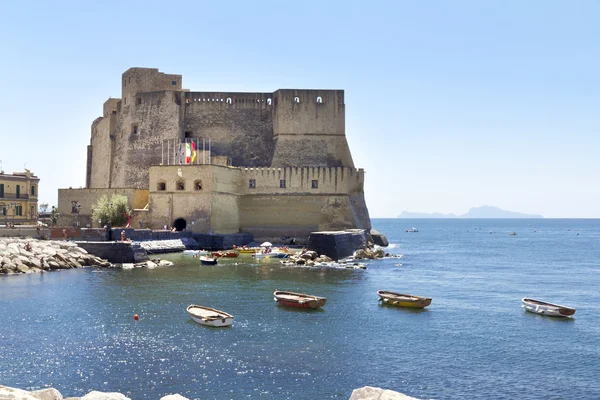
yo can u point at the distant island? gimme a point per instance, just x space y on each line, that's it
475 212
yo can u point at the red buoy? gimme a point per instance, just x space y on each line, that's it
136 317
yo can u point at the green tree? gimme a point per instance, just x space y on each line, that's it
54 214
114 210
43 207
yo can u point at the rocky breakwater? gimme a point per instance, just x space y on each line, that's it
364 393
25 256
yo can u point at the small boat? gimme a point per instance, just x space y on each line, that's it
227 254
247 250
513 234
272 254
195 252
403 300
209 316
205 260
298 300
544 308
412 230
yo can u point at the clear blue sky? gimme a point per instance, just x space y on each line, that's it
449 105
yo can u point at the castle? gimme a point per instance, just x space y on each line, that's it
271 164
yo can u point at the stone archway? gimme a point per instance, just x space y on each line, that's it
179 224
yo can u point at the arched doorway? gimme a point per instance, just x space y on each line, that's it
179 224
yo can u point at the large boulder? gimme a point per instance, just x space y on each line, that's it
15 394
373 393
47 394
379 238
104 396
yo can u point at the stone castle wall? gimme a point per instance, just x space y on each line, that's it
292 136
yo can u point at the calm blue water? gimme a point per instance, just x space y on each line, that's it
73 330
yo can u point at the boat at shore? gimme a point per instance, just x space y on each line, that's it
226 254
248 250
545 308
298 300
206 260
403 300
209 316
195 252
271 254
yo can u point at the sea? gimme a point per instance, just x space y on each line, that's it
75 330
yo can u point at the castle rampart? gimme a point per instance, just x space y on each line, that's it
265 162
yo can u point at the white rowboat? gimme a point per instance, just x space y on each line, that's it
209 316
544 308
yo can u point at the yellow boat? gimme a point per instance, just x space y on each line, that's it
250 250
403 300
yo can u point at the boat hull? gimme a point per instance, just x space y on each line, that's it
209 316
295 304
547 309
218 323
226 255
208 261
406 304
299 300
195 252
403 300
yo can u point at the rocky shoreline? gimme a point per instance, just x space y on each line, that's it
27 255
364 393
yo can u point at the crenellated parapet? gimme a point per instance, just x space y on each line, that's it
261 157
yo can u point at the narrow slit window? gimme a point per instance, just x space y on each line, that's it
315 184
282 183
252 183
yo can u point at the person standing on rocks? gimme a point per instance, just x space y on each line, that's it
65 235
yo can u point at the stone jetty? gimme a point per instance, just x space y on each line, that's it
364 393
25 256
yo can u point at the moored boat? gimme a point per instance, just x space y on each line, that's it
226 254
545 308
272 254
298 300
403 300
195 252
209 316
248 250
206 260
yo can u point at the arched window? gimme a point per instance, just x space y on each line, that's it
319 99
269 101
296 99
180 185
229 100
161 186
198 184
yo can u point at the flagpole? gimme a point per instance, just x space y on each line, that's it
162 152
203 151
168 152
209 153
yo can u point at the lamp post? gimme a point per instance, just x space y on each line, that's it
13 206
77 208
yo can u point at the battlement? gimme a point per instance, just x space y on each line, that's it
110 107
136 80
233 99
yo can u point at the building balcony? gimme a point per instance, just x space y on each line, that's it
13 196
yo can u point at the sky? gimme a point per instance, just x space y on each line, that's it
449 105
